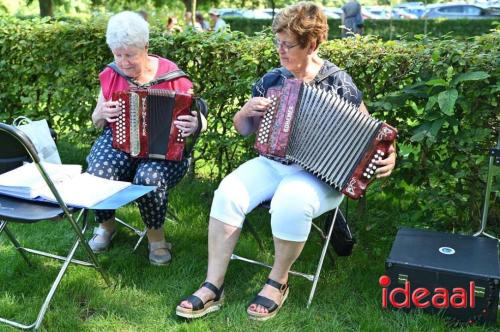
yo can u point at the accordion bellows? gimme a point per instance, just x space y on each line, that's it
145 128
324 134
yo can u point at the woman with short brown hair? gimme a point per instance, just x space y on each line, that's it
296 195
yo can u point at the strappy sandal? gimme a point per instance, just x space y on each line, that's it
271 306
200 309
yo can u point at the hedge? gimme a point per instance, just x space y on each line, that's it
442 96
386 29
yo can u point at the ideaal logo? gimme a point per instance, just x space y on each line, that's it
422 297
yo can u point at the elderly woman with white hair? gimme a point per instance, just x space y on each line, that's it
127 36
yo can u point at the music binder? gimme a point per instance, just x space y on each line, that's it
76 189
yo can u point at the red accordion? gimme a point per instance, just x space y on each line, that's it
145 128
325 134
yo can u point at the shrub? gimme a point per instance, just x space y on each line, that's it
386 29
442 95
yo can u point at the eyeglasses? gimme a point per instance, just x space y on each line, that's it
283 44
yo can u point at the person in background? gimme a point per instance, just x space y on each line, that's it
188 19
205 26
127 36
296 195
172 25
352 20
219 23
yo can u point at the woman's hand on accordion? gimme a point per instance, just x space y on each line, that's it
105 111
385 166
187 124
256 106
111 111
246 121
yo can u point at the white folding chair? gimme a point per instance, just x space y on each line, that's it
493 169
326 236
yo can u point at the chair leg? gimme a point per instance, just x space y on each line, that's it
57 281
322 239
172 215
142 235
81 237
68 259
139 233
17 245
321 259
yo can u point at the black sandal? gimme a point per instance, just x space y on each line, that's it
271 306
200 309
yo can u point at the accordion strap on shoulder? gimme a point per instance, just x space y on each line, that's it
322 76
318 79
163 78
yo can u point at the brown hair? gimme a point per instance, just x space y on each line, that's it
305 20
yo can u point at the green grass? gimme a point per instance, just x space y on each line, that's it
144 297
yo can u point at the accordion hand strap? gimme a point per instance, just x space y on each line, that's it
200 107
163 78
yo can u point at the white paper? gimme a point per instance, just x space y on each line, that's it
75 188
84 190
27 181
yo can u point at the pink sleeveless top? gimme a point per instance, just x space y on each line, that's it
112 82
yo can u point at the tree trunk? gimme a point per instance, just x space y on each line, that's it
46 8
193 10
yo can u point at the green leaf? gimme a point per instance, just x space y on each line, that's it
434 130
435 55
431 102
470 76
446 100
420 133
436 82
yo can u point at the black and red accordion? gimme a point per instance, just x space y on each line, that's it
145 128
324 134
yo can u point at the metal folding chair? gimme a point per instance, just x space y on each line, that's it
326 236
142 233
493 169
14 149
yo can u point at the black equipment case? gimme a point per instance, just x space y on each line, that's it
427 259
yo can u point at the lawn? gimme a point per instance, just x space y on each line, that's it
144 297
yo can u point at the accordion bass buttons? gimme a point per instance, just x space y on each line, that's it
179 137
369 171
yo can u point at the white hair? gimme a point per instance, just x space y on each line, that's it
127 29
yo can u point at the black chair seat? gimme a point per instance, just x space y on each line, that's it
25 211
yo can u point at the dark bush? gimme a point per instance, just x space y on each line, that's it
442 95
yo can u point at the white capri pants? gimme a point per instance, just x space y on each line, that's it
297 197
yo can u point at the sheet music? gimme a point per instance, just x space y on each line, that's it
84 190
27 181
75 188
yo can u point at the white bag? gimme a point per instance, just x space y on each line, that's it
39 134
